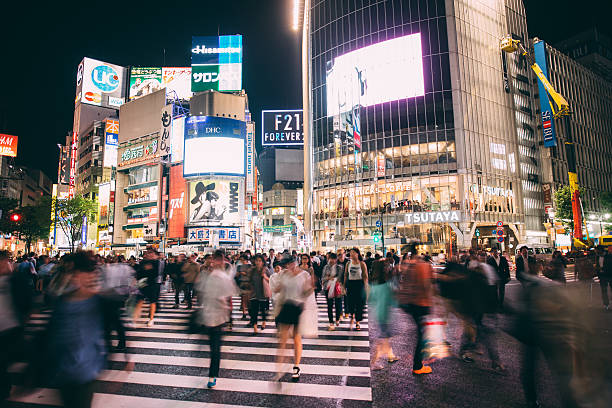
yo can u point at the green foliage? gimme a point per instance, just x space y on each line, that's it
563 207
69 216
35 222
605 199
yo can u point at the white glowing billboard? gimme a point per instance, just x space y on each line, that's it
382 72
214 146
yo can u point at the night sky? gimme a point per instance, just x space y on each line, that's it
43 44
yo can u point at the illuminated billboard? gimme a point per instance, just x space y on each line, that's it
214 145
382 72
216 63
216 202
177 203
547 117
144 81
8 145
282 127
177 139
111 143
100 83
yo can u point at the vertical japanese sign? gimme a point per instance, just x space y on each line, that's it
177 206
250 180
74 150
164 131
111 142
548 123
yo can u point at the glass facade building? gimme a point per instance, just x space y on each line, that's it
414 117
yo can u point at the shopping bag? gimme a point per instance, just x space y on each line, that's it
435 346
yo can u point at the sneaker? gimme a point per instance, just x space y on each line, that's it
393 359
212 383
423 370
150 323
296 374
331 327
466 358
357 326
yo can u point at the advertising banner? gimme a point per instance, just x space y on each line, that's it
177 80
177 203
103 203
8 145
548 122
144 81
216 63
282 127
382 72
227 235
250 160
164 130
214 146
216 202
142 195
138 153
99 81
111 143
177 139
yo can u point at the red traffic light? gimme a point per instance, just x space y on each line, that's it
15 217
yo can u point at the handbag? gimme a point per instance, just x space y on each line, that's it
338 290
266 288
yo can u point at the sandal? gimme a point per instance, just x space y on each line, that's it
393 359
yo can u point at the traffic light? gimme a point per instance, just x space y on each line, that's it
477 232
376 237
16 217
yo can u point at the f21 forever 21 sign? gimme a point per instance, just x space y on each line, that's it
282 127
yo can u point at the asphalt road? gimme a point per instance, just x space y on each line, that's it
455 383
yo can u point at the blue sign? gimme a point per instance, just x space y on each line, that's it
227 235
548 123
105 78
378 224
112 139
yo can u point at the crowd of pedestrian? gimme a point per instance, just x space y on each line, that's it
89 295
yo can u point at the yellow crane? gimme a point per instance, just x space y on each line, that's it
561 110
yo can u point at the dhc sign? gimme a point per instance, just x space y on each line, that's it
433 217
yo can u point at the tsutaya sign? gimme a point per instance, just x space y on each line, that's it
434 217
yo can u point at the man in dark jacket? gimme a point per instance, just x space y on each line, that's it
502 269
523 264
174 270
605 277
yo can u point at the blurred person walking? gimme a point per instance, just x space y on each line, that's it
332 288
260 293
174 270
149 282
11 327
117 281
295 285
557 267
75 336
523 263
381 299
243 280
190 271
415 298
501 267
355 281
605 276
216 289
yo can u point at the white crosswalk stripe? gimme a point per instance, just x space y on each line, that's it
173 363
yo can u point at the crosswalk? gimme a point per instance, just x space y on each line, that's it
169 368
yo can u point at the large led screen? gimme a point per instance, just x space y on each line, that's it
213 201
216 63
383 72
214 145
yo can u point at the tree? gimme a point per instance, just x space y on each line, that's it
563 207
70 215
35 222
7 206
605 200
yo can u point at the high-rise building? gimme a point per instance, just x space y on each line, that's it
592 49
418 124
590 99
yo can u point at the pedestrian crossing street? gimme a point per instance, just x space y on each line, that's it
166 367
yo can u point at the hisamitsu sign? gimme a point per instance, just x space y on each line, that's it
282 127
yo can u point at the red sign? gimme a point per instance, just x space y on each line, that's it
380 166
112 126
8 145
177 204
